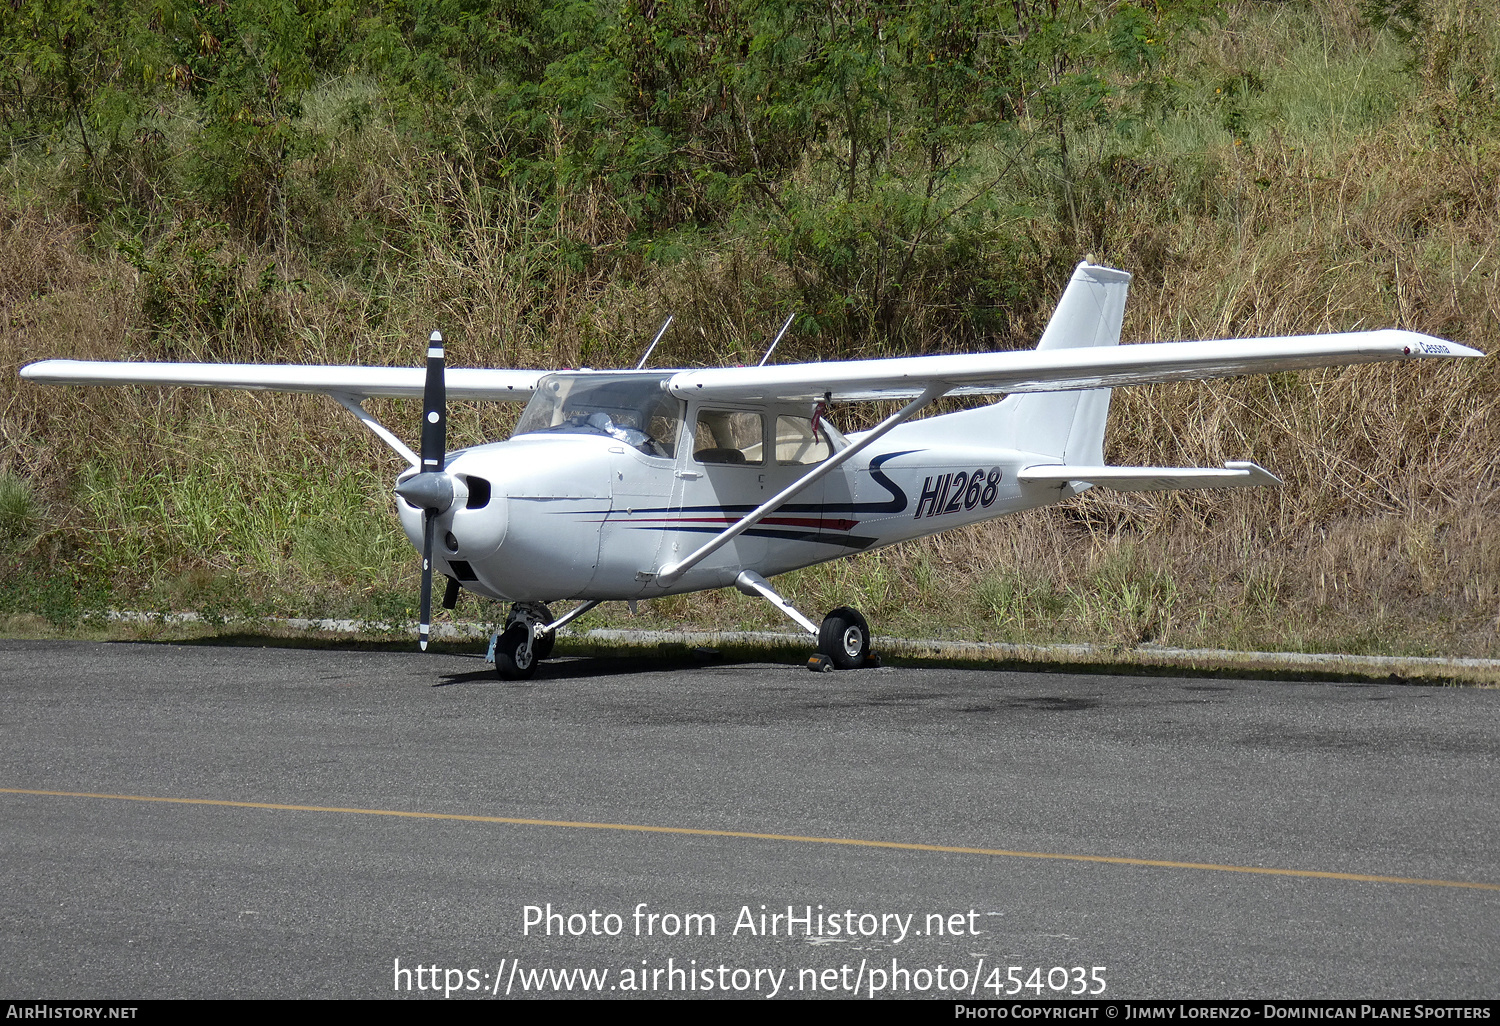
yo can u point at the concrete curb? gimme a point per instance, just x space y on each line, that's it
1076 655
1084 654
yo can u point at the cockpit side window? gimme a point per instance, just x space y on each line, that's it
663 422
729 436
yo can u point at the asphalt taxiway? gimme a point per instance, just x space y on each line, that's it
227 821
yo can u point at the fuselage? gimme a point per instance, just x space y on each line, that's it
595 493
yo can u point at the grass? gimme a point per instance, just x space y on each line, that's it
18 510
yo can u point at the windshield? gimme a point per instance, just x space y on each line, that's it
629 407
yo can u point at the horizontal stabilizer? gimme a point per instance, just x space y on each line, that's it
1235 474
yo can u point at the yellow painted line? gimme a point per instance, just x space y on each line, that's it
1117 860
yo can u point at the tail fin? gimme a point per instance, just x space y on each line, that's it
1070 425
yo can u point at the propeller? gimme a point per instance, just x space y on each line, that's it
431 488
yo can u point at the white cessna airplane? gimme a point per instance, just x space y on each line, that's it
629 485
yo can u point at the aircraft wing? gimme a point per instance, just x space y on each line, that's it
1039 370
462 382
1060 370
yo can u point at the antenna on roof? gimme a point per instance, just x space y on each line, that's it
788 324
665 325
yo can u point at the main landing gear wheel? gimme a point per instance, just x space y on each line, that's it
515 653
845 638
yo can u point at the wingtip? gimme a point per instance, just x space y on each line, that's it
1443 348
1415 343
1099 272
46 370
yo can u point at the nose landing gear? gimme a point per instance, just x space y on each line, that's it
526 639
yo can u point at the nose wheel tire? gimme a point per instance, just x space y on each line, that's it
515 654
845 638
540 616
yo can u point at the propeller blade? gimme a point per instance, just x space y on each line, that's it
434 408
424 626
432 489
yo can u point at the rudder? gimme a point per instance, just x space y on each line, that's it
1070 425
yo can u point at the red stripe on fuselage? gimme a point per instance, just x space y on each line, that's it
827 524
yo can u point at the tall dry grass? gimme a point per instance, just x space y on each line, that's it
1345 182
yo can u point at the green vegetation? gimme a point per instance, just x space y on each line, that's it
259 181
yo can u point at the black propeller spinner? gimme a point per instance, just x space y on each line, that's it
431 488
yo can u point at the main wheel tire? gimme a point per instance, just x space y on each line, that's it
845 638
515 655
541 616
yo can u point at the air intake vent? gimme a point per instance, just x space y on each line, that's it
479 493
462 570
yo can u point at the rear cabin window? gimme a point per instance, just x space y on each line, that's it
798 444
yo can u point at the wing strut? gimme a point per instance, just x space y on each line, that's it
672 571
355 405
751 583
